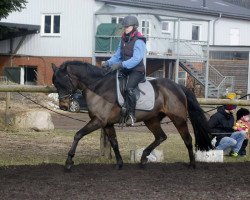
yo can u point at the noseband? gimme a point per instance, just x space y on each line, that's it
71 90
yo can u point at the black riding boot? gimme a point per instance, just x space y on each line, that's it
131 103
242 151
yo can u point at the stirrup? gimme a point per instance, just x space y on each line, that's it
130 120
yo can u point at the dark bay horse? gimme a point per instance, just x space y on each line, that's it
171 99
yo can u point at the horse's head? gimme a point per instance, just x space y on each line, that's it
64 86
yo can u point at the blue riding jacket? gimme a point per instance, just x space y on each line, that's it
139 50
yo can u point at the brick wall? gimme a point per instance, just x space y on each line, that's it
236 68
43 65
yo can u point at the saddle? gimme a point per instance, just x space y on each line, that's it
145 95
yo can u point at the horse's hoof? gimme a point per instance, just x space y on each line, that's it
143 162
142 165
68 166
119 166
192 166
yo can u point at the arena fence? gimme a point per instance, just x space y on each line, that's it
105 146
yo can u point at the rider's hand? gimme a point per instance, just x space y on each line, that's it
105 64
116 66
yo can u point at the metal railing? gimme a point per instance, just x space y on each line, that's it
158 46
223 83
188 50
226 85
109 43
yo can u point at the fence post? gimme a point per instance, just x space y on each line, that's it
105 147
7 109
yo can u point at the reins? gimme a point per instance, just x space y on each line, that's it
50 109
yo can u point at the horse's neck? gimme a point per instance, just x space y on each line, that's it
85 79
105 88
96 81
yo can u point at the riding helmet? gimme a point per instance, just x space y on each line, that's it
130 21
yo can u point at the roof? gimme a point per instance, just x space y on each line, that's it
203 7
12 30
243 3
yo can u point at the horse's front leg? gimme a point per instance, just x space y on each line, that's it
154 126
110 132
91 126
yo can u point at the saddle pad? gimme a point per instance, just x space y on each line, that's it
145 102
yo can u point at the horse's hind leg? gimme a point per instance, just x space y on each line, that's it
110 132
155 127
182 128
91 126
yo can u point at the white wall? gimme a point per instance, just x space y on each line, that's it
76 27
186 29
222 33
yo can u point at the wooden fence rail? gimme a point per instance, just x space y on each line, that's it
27 88
52 89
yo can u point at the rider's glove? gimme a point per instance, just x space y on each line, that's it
116 66
105 64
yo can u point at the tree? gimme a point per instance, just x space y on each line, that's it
8 6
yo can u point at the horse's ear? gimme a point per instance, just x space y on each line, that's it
54 67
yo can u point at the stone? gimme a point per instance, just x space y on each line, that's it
35 120
209 156
154 156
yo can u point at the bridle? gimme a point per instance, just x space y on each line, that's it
70 91
72 87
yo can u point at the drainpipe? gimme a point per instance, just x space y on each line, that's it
214 27
204 4
93 42
248 85
177 64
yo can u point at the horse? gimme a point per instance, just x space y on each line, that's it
99 88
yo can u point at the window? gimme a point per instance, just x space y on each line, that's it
23 74
51 25
145 28
182 78
228 55
195 32
165 27
28 75
116 20
146 32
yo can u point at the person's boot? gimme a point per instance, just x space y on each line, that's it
242 151
130 120
131 104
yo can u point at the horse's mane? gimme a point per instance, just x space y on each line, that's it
90 69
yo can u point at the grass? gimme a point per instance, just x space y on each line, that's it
32 148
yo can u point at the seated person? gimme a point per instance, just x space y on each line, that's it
243 123
221 125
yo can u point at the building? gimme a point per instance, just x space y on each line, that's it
180 36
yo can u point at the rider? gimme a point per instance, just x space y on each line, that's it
129 58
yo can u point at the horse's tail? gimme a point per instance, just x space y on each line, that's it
199 122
